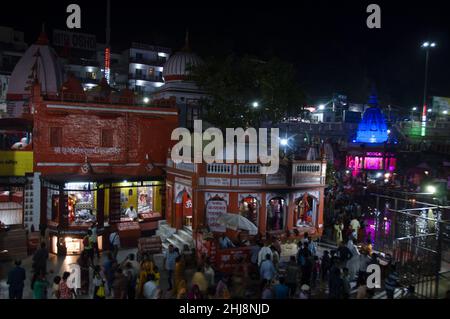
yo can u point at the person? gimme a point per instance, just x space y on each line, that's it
267 269
108 270
222 290
391 282
355 225
157 274
181 290
146 268
346 283
64 291
353 262
120 285
114 242
306 238
40 259
281 290
315 271
150 288
361 292
338 228
16 279
99 284
199 280
263 253
195 293
275 257
254 253
89 246
292 271
209 272
267 292
170 258
39 286
55 287
225 242
94 239
411 293
325 265
335 284
131 213
304 292
83 262
178 274
131 275
344 254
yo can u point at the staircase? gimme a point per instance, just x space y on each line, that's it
177 238
14 243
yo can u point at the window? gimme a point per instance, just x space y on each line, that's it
193 113
151 72
56 136
91 75
138 73
107 138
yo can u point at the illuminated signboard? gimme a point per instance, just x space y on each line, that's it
16 163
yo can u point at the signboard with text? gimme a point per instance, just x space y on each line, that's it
74 40
16 163
214 209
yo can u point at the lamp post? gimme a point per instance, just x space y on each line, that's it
427 46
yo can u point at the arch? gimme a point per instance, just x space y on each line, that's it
306 209
276 213
249 207
183 209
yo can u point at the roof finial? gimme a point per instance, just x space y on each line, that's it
186 41
42 39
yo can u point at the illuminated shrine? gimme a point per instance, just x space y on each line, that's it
372 128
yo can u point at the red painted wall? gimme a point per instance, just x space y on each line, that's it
136 136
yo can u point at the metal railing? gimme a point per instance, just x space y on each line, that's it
218 168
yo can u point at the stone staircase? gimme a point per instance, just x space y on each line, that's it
178 238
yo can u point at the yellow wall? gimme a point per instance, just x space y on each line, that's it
157 199
16 163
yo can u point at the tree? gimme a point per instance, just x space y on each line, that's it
243 92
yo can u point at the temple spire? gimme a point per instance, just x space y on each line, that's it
186 41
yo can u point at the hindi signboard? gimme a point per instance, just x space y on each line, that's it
214 209
74 40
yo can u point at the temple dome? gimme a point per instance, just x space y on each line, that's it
372 128
177 66
38 62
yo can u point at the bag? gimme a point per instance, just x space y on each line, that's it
100 292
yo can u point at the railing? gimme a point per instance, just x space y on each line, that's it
153 62
249 169
218 168
143 77
307 168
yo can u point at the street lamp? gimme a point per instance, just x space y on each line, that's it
321 107
255 104
146 100
426 45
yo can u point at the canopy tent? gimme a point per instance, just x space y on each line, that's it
236 221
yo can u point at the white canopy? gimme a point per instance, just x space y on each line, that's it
236 221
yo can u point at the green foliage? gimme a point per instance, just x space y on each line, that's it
233 84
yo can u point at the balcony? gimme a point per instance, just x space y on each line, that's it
219 168
249 169
143 77
152 62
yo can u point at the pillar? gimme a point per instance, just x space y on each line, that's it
101 207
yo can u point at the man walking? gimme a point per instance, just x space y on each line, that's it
169 262
16 278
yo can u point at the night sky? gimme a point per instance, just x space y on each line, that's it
327 41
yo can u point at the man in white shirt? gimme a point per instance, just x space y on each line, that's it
355 227
131 213
150 288
263 252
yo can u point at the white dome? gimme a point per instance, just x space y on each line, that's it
49 71
176 68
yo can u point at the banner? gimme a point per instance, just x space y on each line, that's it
16 163
214 209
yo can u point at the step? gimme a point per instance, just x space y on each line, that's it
188 229
185 235
175 243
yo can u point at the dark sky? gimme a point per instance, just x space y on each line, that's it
327 41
